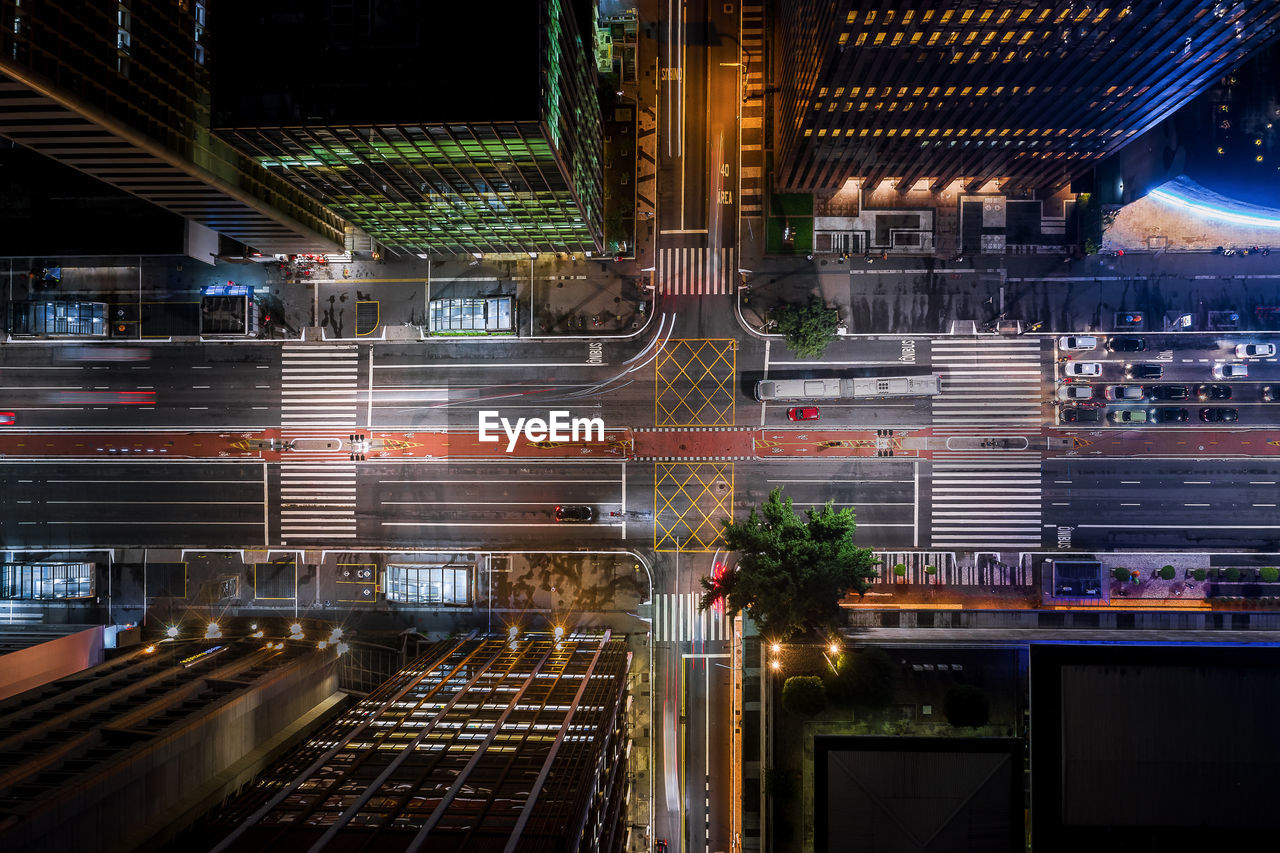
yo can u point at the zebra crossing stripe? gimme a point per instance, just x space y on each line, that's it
686 271
676 618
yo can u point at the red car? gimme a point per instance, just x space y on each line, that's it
803 413
6 418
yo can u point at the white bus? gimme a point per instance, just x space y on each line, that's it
872 388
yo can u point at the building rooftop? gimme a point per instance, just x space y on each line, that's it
402 62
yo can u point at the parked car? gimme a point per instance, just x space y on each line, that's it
1214 392
1230 371
1081 416
1124 392
1127 416
803 413
1169 416
1144 371
1168 392
1075 392
1217 416
1083 368
575 513
1125 343
1077 343
1255 350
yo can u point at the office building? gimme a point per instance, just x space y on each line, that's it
447 128
120 90
483 743
1029 94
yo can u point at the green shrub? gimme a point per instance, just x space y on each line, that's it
966 705
1200 574
1120 573
1233 574
930 570
1166 573
900 570
1269 573
804 694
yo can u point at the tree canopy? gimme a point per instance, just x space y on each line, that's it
793 570
809 327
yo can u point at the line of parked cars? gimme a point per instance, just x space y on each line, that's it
1088 401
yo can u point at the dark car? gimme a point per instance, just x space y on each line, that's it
1143 371
1271 393
1168 392
1126 344
1170 416
1214 392
575 513
1215 416
803 413
1081 416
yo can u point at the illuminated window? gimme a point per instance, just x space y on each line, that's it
844 39
902 91
946 17
933 39
852 18
822 93
870 19
897 39
1003 16
198 16
1024 15
965 16
808 131
839 92
907 16
951 38
860 40
1004 39
927 17
964 93
915 38
879 40
982 19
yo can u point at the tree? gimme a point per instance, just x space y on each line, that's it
804 694
1120 573
1233 574
1269 573
863 678
966 705
1166 573
1199 574
809 327
793 570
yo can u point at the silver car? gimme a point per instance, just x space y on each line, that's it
1124 392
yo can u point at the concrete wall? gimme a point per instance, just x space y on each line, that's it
35 665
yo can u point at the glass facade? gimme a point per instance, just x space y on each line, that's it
46 581
974 90
120 91
429 584
516 168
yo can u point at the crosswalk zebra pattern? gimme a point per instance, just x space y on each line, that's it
318 385
985 500
676 618
696 271
317 500
751 196
988 385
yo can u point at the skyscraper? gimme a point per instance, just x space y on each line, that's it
120 91
434 127
1032 92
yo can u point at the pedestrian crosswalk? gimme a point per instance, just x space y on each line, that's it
985 500
988 385
318 385
696 271
752 122
317 501
676 618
